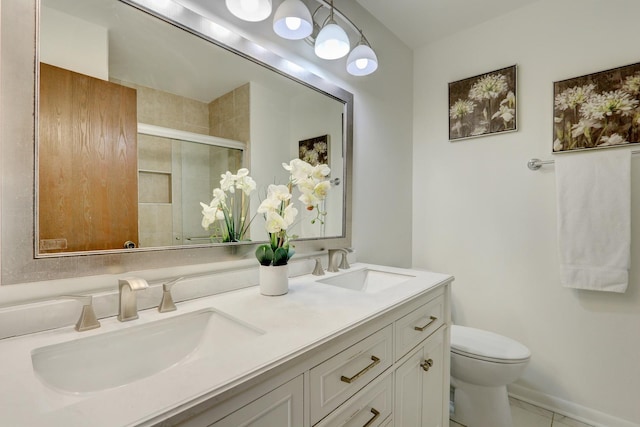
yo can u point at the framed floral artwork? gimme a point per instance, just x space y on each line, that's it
314 151
597 110
483 105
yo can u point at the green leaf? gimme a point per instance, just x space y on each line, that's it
280 257
264 255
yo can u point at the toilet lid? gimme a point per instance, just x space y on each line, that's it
486 345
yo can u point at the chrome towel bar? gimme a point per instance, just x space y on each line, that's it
535 164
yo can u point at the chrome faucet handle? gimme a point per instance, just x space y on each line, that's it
167 304
88 319
317 270
344 264
128 305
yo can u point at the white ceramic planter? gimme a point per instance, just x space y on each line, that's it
274 280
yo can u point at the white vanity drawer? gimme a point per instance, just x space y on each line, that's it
418 325
335 380
371 407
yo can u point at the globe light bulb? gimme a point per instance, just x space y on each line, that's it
293 23
362 63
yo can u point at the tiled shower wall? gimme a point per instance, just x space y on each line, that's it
229 115
160 213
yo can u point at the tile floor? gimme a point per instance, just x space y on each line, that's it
527 415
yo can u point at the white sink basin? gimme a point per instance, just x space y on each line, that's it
120 357
367 280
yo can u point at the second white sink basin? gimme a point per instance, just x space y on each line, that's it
120 357
367 280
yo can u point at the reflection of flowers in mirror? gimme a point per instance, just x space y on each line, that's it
280 213
226 215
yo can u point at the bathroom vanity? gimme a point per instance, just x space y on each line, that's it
365 346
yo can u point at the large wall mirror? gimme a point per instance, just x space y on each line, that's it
140 107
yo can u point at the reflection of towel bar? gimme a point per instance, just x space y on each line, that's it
199 238
535 164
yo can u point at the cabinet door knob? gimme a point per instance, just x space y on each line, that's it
426 365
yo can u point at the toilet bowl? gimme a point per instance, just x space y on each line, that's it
483 363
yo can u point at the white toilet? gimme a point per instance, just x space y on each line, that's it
482 364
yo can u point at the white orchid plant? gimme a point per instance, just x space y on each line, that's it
280 213
227 214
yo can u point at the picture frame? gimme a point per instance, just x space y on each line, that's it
315 151
597 110
482 105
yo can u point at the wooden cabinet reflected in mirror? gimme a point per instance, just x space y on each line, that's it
87 156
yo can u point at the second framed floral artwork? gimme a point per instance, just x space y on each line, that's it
314 151
597 110
483 105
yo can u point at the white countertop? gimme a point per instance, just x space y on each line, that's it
309 315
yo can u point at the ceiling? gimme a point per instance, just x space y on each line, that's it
155 54
420 22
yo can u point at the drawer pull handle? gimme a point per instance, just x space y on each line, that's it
426 365
422 328
376 414
348 380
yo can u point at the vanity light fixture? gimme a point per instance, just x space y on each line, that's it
292 20
250 10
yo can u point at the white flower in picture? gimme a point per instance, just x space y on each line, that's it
489 87
614 139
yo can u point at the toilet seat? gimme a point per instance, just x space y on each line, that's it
487 346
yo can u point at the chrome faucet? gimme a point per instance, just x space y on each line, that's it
128 303
344 263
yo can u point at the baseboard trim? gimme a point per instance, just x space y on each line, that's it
567 408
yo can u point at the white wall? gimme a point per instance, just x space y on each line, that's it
267 148
481 215
86 45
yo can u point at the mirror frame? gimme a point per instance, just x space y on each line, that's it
18 106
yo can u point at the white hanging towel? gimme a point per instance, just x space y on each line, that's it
594 219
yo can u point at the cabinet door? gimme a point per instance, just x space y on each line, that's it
282 407
419 385
87 168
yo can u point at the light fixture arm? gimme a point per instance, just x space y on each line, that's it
334 10
363 39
